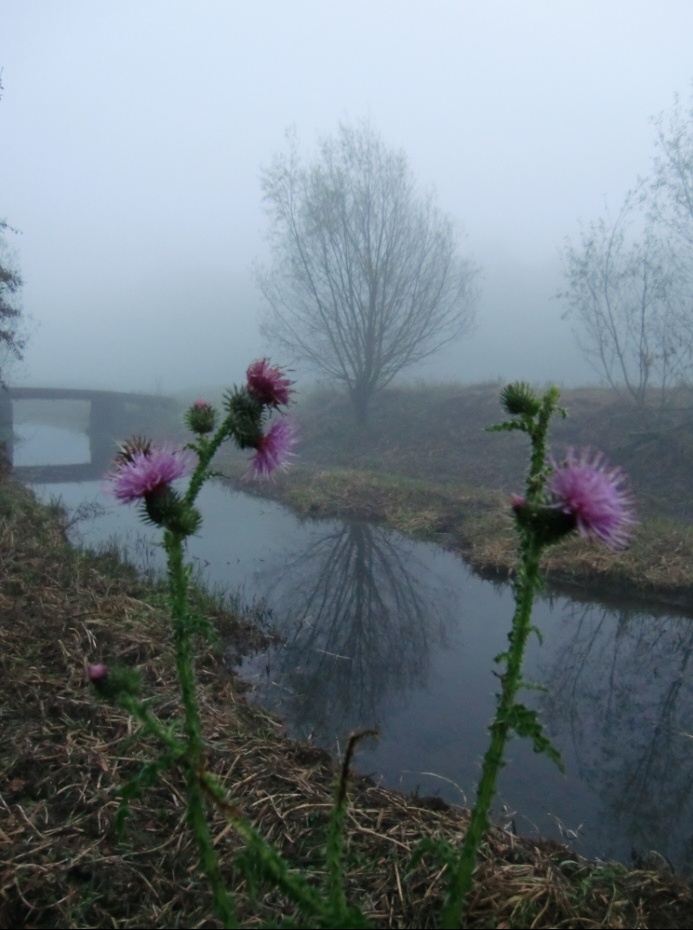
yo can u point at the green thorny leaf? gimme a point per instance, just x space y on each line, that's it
525 723
506 426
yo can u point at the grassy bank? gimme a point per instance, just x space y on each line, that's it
438 434
64 756
426 465
658 567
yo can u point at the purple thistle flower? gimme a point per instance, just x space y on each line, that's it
593 493
274 449
145 472
268 383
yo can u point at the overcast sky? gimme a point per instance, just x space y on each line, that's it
132 134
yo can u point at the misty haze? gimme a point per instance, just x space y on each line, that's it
346 365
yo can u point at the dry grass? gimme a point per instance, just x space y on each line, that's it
64 757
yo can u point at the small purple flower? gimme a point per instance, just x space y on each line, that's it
585 486
274 449
268 383
144 472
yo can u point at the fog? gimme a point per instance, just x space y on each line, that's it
132 136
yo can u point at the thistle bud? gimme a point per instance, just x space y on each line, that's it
245 414
520 400
97 672
112 682
201 417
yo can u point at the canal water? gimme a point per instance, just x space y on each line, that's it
380 631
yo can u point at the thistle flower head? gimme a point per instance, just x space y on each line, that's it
274 449
268 384
143 471
595 494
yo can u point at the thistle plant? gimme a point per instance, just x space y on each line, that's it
144 473
584 494
580 493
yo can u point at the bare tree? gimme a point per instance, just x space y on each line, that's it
625 294
630 282
11 342
366 277
671 195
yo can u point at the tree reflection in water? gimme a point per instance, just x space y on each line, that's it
621 689
356 621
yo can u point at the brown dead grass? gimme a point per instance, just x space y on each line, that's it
64 757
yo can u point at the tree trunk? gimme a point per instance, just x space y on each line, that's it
360 400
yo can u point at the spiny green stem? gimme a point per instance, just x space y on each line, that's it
293 884
206 450
208 856
178 579
528 581
538 432
461 883
199 781
335 836
142 713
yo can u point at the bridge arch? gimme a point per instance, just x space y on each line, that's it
113 415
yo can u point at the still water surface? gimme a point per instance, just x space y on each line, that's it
380 631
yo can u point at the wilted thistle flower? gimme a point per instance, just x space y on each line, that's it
274 449
587 488
148 470
201 417
268 384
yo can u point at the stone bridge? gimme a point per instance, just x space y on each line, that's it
113 415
